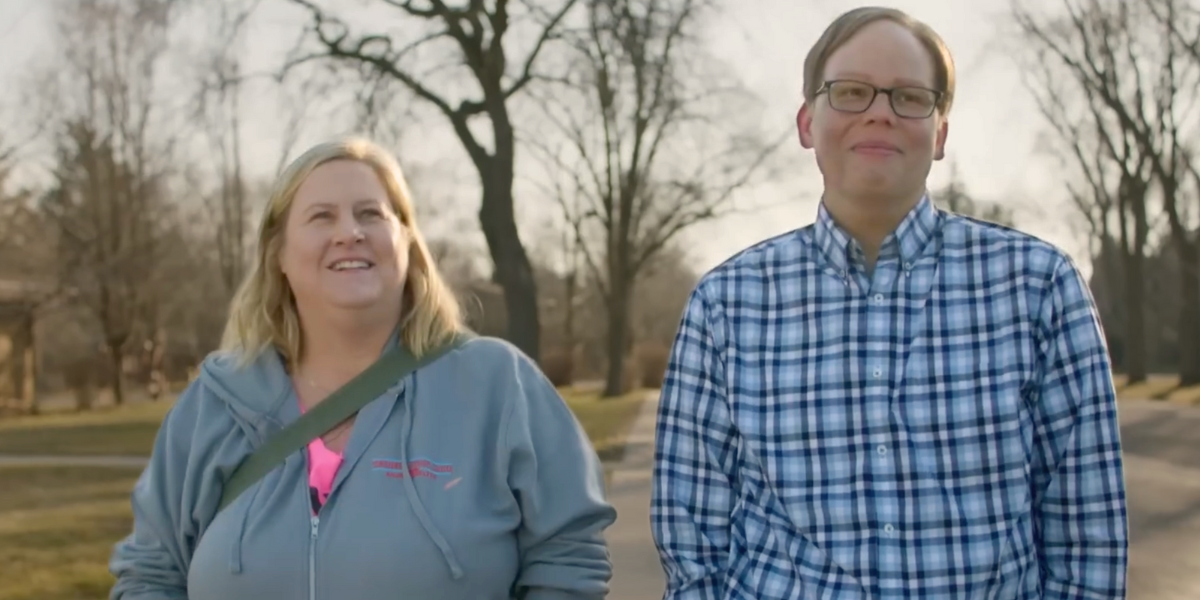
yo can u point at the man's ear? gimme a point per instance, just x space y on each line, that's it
939 149
804 126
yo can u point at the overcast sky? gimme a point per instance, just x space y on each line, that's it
992 128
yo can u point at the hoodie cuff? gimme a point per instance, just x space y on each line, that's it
553 594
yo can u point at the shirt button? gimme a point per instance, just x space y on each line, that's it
888 529
878 298
878 372
882 450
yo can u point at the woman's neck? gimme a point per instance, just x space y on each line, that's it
336 351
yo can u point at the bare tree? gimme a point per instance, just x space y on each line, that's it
478 36
653 145
559 249
955 198
218 110
9 206
1181 22
107 201
1110 188
572 252
26 249
1112 84
14 199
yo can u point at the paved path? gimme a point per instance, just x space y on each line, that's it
1162 474
1162 470
637 572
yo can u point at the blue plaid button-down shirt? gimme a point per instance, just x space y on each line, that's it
944 428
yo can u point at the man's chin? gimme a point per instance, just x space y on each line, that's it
875 189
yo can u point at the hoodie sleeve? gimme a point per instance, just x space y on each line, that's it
559 484
152 562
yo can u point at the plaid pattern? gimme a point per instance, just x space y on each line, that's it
944 428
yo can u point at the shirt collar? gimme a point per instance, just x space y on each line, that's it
908 240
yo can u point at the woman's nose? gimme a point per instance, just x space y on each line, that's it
349 231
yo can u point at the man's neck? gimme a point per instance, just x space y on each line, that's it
336 348
869 220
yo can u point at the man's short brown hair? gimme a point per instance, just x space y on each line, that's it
851 22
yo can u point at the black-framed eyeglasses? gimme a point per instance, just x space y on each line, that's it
907 101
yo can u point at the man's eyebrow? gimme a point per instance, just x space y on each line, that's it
895 81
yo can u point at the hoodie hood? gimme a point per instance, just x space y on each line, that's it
257 394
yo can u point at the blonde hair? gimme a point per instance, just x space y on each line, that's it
263 313
853 21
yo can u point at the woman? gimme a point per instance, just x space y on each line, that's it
468 479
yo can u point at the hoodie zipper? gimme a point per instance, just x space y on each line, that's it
314 523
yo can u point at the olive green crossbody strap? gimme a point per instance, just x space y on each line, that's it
392 366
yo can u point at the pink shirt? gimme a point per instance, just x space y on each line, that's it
323 465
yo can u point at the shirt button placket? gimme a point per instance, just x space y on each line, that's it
885 482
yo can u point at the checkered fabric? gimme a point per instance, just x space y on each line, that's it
944 428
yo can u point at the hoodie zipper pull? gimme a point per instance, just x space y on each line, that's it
314 522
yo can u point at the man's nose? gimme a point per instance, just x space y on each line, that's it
881 108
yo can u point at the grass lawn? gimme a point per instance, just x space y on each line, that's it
57 528
1158 387
606 421
58 524
130 430
124 431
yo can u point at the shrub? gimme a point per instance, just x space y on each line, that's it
630 375
85 376
559 367
652 363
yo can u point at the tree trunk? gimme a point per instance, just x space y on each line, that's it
514 273
1189 313
572 282
1133 255
116 354
1135 317
618 320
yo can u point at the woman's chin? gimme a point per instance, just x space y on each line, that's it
357 301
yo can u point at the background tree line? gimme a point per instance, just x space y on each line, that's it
1116 85
600 132
132 223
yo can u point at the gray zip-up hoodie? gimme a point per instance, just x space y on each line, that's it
469 479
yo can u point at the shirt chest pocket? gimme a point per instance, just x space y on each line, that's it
961 408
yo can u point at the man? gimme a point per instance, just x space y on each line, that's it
894 402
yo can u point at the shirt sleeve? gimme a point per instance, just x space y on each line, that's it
1080 520
693 487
